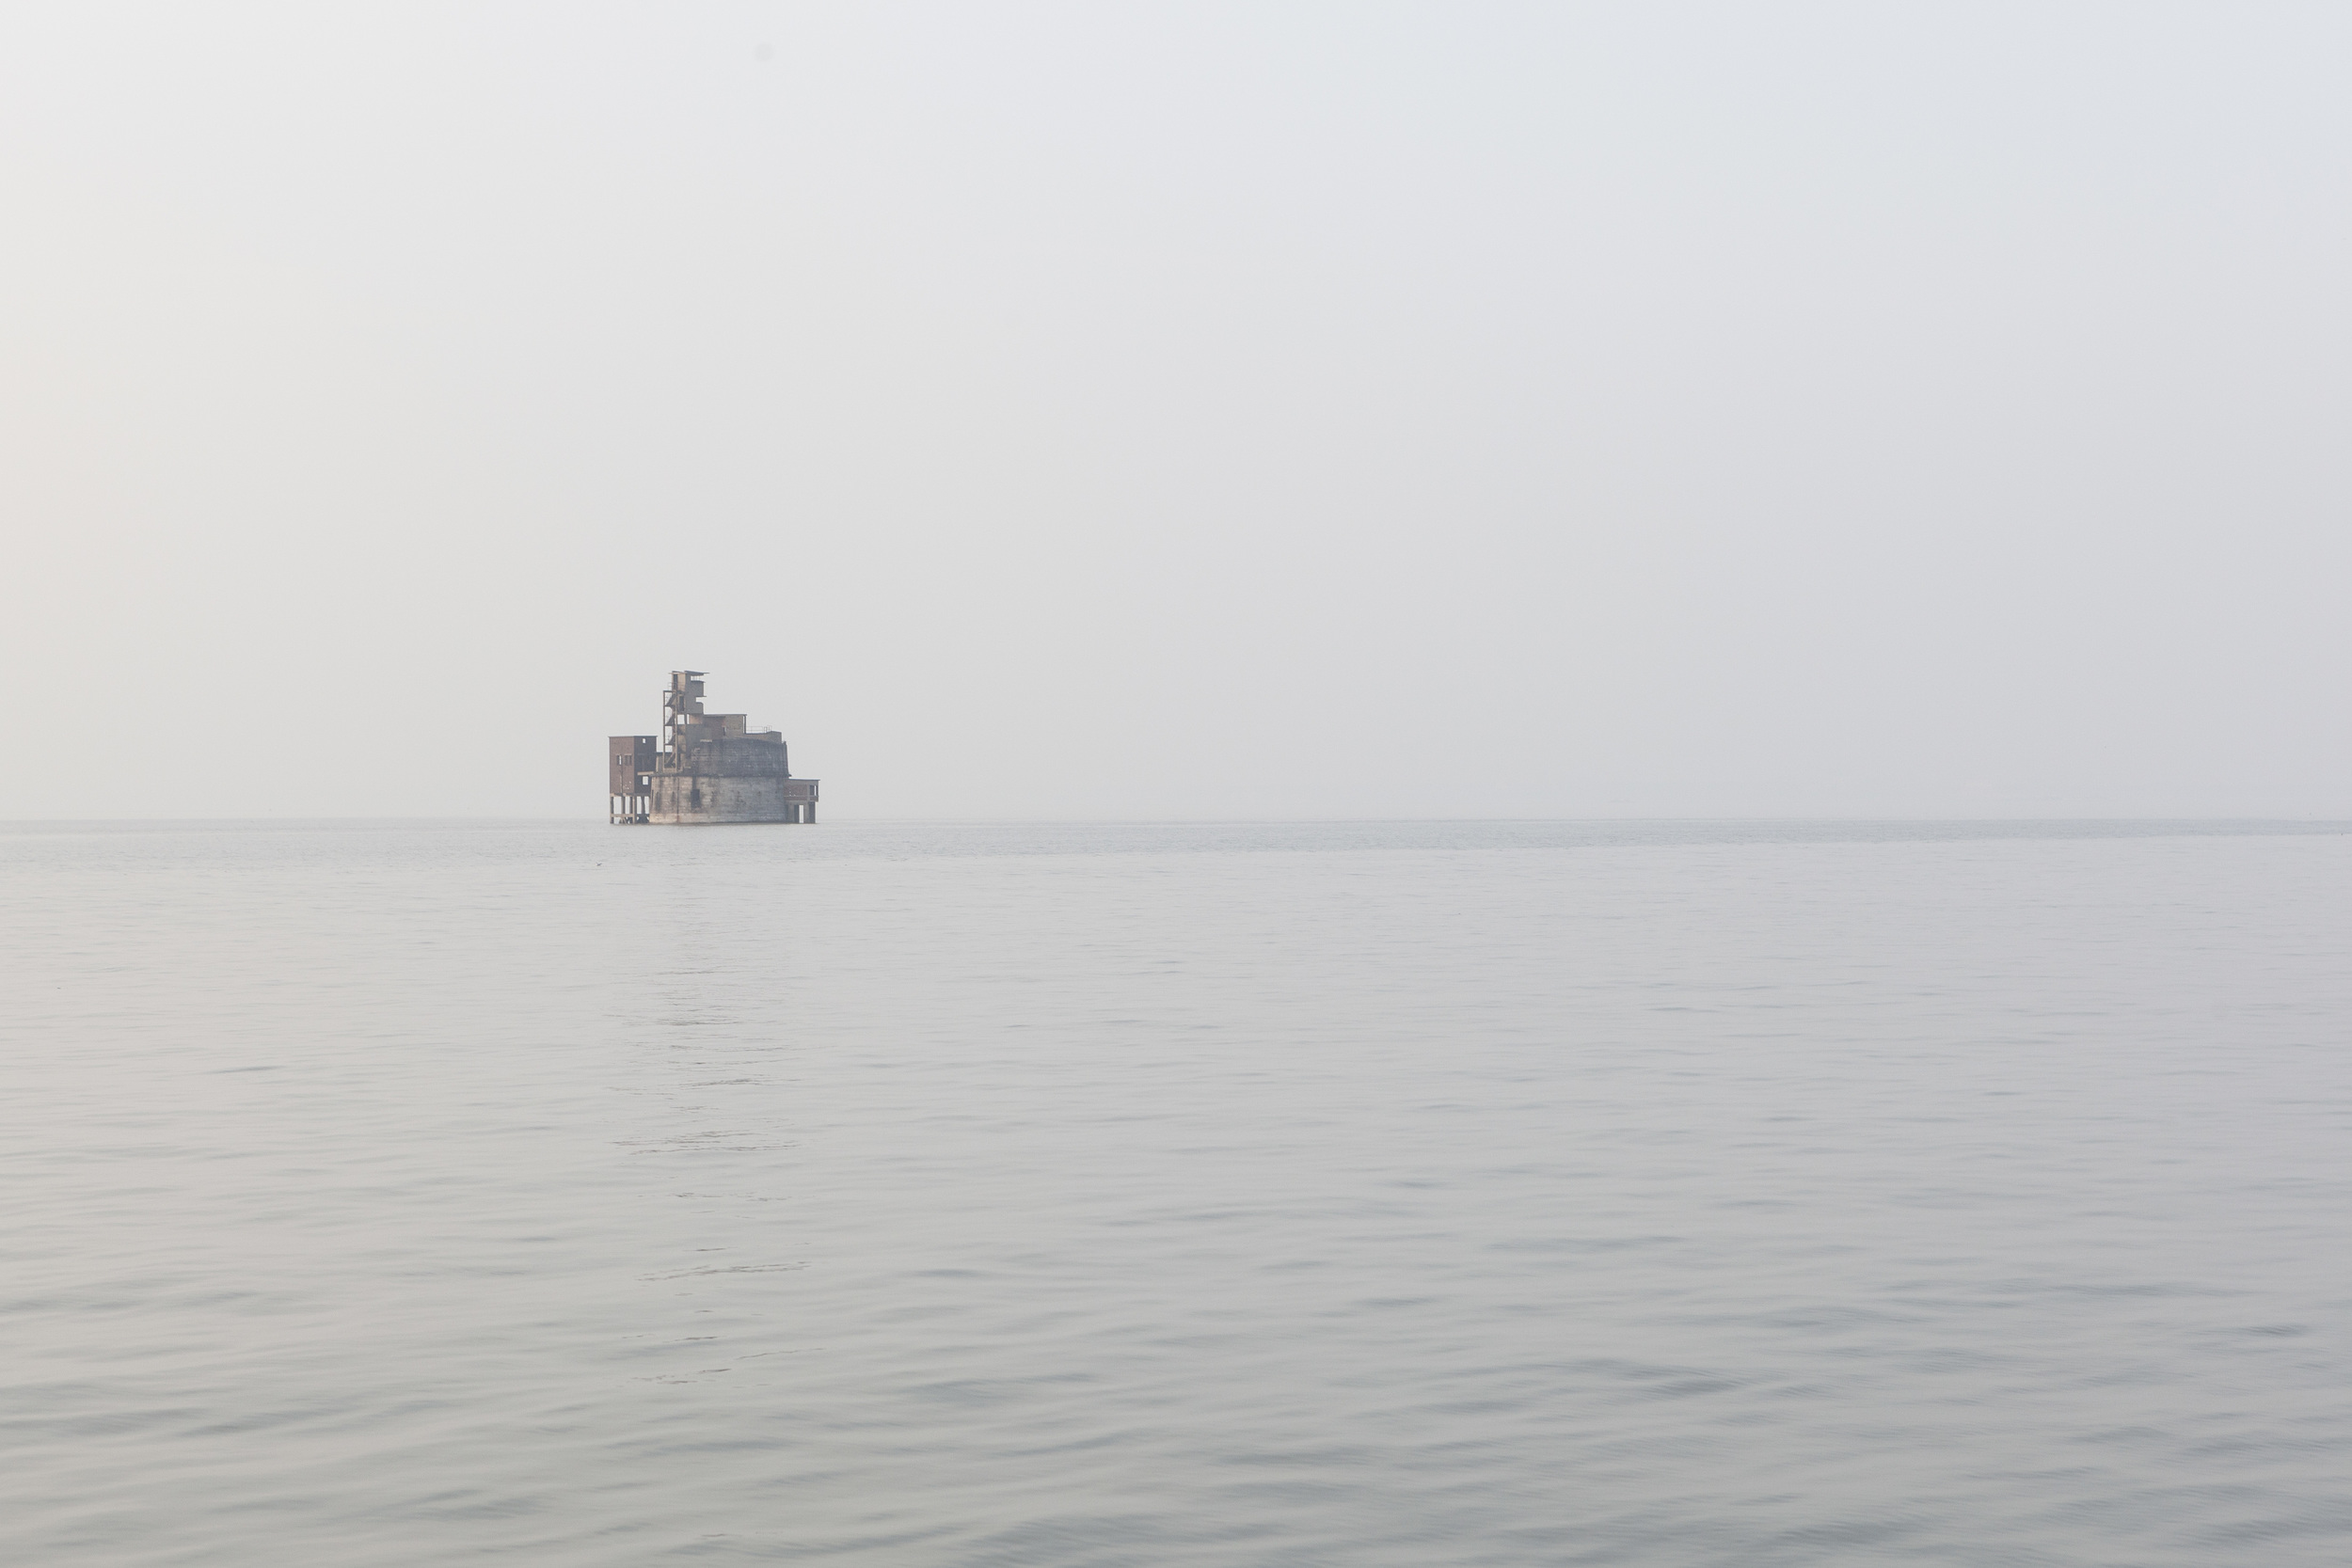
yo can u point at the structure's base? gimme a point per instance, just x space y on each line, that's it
679 798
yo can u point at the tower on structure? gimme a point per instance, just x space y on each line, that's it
704 767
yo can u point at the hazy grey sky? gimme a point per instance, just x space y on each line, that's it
1205 410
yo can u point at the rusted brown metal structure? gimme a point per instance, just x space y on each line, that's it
704 767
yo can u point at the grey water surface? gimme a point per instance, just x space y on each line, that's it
1365 1195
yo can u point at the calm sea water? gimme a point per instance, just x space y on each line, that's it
1354 1195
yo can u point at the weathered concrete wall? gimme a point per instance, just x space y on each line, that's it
732 798
737 756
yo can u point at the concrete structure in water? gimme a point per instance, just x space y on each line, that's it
704 767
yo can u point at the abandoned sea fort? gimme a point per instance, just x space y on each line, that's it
704 767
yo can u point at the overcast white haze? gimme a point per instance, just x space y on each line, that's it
1200 410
